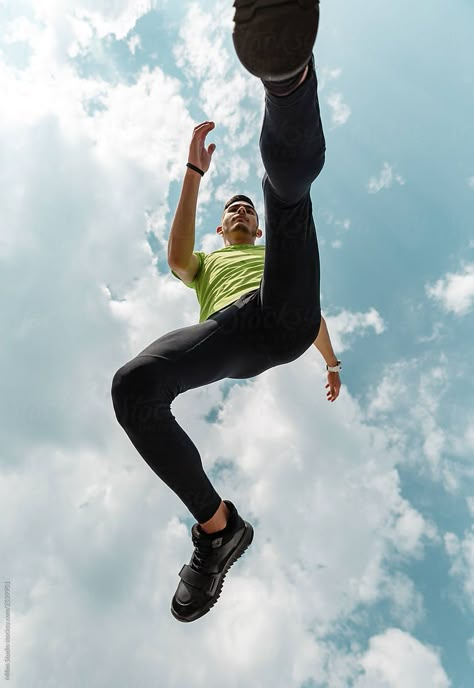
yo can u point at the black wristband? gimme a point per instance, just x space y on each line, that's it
196 169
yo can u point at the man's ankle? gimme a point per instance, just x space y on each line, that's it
218 521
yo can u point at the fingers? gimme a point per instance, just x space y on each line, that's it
204 128
333 392
204 124
334 385
200 132
198 154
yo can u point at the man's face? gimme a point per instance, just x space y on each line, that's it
239 224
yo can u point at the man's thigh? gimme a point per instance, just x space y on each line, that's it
290 287
277 333
220 347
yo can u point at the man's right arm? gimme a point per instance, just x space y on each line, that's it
181 258
182 235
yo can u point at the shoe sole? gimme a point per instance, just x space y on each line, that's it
244 543
274 39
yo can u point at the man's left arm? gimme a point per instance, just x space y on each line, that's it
323 344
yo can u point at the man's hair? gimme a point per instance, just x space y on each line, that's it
240 197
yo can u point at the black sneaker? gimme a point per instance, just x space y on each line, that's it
274 39
202 579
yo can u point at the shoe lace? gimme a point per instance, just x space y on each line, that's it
203 553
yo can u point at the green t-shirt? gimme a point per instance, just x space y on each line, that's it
224 275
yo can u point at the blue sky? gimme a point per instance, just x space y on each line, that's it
361 573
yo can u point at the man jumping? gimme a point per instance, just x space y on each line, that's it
260 305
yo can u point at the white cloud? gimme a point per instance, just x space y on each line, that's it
390 392
60 29
358 489
203 55
385 179
406 601
340 110
455 292
20 29
436 333
461 553
412 400
134 43
345 324
409 529
396 659
104 17
428 385
326 74
470 182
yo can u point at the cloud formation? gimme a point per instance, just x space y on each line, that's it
397 660
385 180
455 292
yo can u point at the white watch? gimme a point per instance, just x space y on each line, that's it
334 369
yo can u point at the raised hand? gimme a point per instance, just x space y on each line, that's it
198 155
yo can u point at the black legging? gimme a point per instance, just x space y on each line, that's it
266 327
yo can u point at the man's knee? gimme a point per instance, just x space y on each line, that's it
134 383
